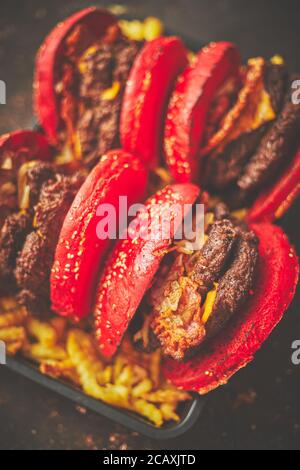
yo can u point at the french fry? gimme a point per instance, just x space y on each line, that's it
139 374
167 396
148 410
132 380
84 356
45 333
153 28
39 352
119 364
142 388
117 395
83 353
134 29
13 334
57 369
104 377
125 377
168 411
14 347
13 318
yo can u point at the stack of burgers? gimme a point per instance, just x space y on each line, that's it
114 113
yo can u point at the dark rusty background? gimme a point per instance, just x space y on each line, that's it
260 408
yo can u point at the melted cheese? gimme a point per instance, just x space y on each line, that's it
112 92
209 303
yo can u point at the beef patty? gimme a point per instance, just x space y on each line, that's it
255 158
29 179
105 67
223 269
33 266
12 236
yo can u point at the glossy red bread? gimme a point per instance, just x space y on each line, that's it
149 87
32 141
48 60
132 266
189 104
274 202
80 251
235 347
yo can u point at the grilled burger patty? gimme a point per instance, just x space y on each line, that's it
236 283
28 238
34 263
197 295
91 94
275 147
12 237
255 157
17 225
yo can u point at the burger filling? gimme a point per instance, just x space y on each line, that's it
29 234
196 294
90 91
261 144
10 163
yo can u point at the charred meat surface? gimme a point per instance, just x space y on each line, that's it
91 95
182 317
235 285
274 149
206 266
101 91
276 83
27 181
20 186
36 175
221 211
255 157
34 263
12 236
223 170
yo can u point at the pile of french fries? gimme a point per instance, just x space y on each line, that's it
132 380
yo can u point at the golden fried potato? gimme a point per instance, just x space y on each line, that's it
13 318
14 347
133 30
104 377
12 334
168 411
45 333
153 28
57 369
148 410
40 351
167 396
131 380
142 388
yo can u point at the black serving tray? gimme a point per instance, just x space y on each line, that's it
189 411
